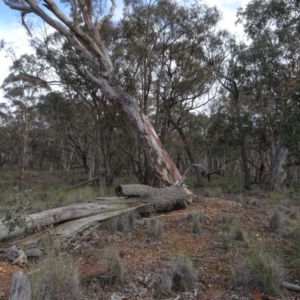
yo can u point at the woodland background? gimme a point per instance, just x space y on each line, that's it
230 106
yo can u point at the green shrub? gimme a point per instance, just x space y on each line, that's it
15 215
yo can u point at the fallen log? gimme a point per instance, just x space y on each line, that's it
20 287
68 232
70 221
291 286
9 254
145 191
38 221
158 200
84 182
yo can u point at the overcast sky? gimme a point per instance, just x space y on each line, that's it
12 32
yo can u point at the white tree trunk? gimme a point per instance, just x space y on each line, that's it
278 156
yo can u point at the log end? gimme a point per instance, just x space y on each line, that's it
20 287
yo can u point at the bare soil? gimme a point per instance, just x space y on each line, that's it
148 263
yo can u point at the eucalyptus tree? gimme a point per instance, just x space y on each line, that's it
273 62
168 62
232 77
83 111
83 29
8 145
23 96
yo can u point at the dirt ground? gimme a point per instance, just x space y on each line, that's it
148 264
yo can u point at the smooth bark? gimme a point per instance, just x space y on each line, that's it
278 156
39 221
20 287
69 221
157 200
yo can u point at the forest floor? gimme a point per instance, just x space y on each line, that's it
216 251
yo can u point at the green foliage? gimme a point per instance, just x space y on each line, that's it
273 27
191 182
15 216
260 270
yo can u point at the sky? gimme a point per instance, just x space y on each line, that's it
14 34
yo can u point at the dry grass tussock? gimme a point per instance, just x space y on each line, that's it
55 277
115 270
261 271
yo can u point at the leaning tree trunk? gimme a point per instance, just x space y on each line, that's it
90 48
278 156
163 167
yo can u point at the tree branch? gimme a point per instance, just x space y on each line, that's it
18 7
108 16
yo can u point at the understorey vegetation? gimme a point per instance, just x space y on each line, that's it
243 243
